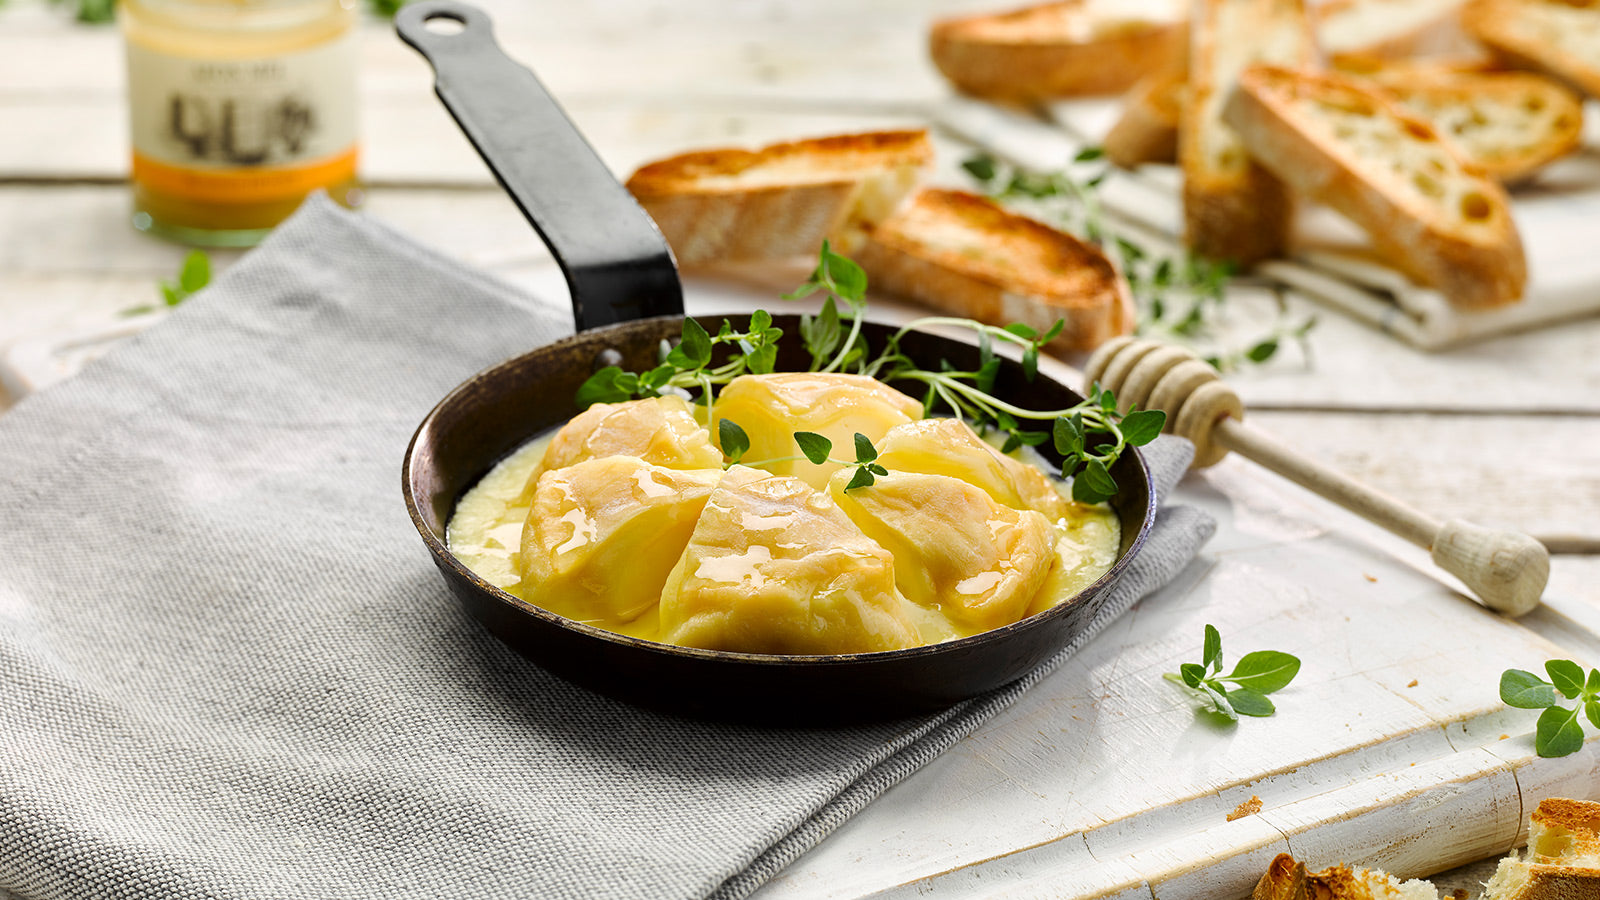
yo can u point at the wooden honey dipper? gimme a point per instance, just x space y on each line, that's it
1506 569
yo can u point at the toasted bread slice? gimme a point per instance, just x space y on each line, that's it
964 254
1287 879
1558 37
1563 856
1068 48
1343 142
1509 124
1389 29
782 200
1232 208
1147 130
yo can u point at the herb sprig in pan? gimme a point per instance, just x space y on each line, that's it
1090 436
1560 729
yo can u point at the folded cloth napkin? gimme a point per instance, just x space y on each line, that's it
228 668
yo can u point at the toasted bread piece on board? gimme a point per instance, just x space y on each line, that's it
1342 142
1390 29
1563 857
1147 129
1287 879
966 255
1509 124
782 200
1232 208
1558 37
1069 48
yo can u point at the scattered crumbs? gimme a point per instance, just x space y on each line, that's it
1504 736
1458 894
1413 683
1248 808
1371 578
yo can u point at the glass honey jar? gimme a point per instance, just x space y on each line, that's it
237 110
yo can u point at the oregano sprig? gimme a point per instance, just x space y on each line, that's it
688 365
1256 675
1560 729
818 450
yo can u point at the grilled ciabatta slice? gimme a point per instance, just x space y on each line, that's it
1558 37
966 255
1346 144
1563 856
1068 48
1147 129
1287 879
1509 124
1232 208
780 201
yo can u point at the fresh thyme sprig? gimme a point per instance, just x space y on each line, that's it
814 447
1090 436
1256 675
1559 731
688 365
1160 283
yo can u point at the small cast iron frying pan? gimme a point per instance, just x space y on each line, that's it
626 299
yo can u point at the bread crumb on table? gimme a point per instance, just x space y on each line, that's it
1413 683
1247 808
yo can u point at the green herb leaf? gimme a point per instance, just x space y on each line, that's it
196 272
1211 654
1219 702
1265 671
849 279
1192 674
1567 676
1055 330
602 387
696 344
1094 484
865 452
1142 426
1263 351
1525 690
733 439
862 478
815 447
1558 733
1021 330
1068 434
981 167
1591 708
1249 703
1089 154
763 360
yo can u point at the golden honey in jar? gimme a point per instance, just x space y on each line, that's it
237 110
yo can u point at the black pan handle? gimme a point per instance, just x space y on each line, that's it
614 258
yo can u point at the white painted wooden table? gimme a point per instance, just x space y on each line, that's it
1390 749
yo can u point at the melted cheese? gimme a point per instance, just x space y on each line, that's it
956 540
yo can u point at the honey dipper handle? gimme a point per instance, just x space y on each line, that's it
1506 569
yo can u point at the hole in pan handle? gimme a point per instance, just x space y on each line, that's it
614 258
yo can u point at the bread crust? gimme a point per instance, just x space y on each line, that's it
1049 50
1563 856
1233 209
1147 130
781 200
1474 266
965 254
1523 32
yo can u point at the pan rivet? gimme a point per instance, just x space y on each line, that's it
610 356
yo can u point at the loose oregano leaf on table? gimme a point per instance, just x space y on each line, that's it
1559 731
1256 675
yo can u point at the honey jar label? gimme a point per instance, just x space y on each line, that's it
243 130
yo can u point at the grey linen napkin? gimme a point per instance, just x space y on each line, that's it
228 668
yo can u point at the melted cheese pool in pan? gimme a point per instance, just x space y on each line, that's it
625 519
